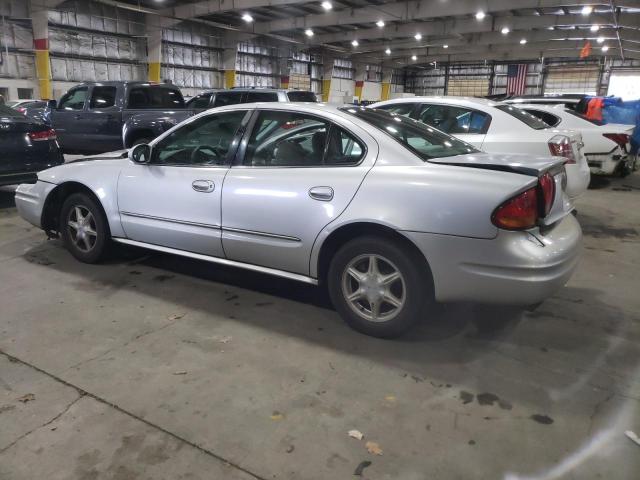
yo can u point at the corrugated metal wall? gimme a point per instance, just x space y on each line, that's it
191 57
90 41
257 65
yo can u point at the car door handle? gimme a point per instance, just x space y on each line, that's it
324 194
203 186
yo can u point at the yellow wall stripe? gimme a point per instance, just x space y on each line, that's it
326 89
386 90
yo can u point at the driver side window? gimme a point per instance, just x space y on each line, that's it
74 100
203 142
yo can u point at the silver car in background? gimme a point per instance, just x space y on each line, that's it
388 213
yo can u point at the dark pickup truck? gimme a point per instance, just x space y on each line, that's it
89 118
144 127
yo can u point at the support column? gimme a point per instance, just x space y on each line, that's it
327 73
154 48
387 74
360 76
39 21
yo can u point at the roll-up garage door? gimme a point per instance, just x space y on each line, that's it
625 84
563 79
468 87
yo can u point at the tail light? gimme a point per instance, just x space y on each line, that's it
523 211
43 135
560 146
620 138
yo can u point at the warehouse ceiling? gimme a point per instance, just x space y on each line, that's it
420 32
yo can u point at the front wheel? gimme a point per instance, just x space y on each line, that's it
83 228
378 287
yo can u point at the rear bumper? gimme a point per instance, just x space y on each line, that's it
30 199
17 178
605 164
515 268
578 178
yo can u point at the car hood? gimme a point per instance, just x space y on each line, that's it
118 154
525 164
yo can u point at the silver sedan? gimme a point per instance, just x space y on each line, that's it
391 215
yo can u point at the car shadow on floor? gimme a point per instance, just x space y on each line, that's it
455 334
7 198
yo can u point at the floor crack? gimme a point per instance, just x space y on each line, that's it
83 393
49 422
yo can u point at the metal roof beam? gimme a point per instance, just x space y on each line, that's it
211 7
407 11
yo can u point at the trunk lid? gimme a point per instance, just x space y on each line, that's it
523 164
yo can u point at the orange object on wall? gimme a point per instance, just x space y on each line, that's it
594 109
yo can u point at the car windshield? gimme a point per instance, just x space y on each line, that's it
579 115
8 112
524 117
301 96
421 139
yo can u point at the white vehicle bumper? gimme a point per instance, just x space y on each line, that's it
578 178
30 198
515 268
606 164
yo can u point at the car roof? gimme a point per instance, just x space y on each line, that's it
469 101
555 107
115 83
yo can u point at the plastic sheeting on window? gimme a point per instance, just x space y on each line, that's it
97 16
18 65
98 45
15 35
189 78
75 70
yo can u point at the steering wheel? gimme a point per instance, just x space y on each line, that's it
218 151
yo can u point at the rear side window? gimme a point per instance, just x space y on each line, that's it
201 101
288 139
227 98
302 96
261 97
103 97
546 117
399 108
155 97
8 112
426 142
454 120
74 99
524 117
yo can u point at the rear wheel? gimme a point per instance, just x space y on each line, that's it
378 287
83 228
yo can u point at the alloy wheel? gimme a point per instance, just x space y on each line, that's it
81 226
374 287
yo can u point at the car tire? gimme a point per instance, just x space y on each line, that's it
83 228
368 298
141 141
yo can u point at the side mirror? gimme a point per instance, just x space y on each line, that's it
140 154
52 104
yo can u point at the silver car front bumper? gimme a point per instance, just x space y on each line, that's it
515 268
30 198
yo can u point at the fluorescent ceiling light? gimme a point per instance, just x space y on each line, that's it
595 28
600 40
380 23
327 5
523 41
605 48
354 43
505 30
445 46
388 51
308 32
247 18
414 58
480 15
586 10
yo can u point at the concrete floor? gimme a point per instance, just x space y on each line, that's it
157 367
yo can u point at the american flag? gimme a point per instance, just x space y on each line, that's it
516 79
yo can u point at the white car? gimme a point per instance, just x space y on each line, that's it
606 147
496 128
